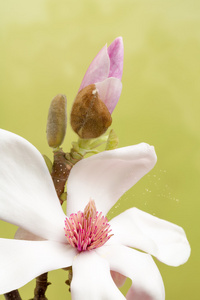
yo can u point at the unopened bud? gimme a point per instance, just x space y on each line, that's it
90 117
57 121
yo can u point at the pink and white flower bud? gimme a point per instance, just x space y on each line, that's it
105 71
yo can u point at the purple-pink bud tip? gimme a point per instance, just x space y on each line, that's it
105 71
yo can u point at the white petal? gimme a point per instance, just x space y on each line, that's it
109 92
27 195
118 278
21 261
22 234
104 177
134 294
139 267
92 279
165 240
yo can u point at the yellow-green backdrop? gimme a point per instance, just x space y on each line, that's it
46 47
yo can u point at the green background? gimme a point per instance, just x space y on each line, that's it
46 47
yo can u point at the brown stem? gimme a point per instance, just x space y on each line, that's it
41 287
60 172
13 295
69 280
62 165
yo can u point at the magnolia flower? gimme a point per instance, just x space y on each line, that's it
99 92
28 200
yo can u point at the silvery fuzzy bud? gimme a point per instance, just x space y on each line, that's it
57 121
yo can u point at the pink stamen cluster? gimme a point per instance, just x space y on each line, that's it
86 232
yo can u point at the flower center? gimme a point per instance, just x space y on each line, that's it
87 230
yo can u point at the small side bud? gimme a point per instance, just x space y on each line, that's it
48 163
112 141
57 121
90 117
63 196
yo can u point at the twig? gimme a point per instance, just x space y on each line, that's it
69 280
13 295
41 287
60 172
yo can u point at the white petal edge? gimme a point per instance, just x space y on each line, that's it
106 176
98 70
92 279
22 261
165 240
118 278
109 92
27 195
137 295
138 266
22 234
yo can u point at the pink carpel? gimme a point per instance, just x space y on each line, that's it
87 230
